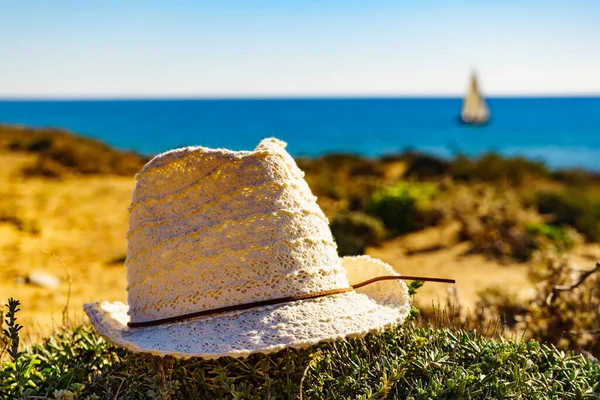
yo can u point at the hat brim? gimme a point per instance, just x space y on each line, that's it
267 329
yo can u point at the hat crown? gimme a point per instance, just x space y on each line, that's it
211 228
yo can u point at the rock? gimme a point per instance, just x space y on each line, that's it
42 279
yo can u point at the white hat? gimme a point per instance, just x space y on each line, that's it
229 254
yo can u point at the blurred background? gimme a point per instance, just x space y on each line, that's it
448 138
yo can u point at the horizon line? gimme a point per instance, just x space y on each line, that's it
292 97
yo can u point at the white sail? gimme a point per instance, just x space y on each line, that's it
474 109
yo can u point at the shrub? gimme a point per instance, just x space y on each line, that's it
565 307
61 152
581 210
358 193
562 310
404 207
345 178
492 167
347 164
45 167
575 177
562 239
354 231
355 165
405 361
499 302
494 222
402 362
423 166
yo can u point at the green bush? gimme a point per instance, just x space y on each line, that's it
354 231
562 238
404 207
404 362
581 210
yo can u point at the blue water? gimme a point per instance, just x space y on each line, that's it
563 132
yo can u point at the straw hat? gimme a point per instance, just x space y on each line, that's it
229 254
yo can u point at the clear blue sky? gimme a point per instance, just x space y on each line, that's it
171 48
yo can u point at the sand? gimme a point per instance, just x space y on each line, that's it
73 229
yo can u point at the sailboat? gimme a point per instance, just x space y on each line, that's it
474 110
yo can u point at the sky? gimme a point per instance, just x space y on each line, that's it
342 48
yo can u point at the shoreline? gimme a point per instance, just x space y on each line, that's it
381 158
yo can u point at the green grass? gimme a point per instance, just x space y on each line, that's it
405 362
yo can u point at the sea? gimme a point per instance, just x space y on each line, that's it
561 132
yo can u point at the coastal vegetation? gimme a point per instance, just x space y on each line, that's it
508 208
410 361
533 332
60 153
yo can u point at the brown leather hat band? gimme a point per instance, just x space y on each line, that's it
270 302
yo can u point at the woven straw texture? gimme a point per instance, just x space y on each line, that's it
211 228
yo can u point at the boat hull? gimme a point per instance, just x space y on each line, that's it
475 122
